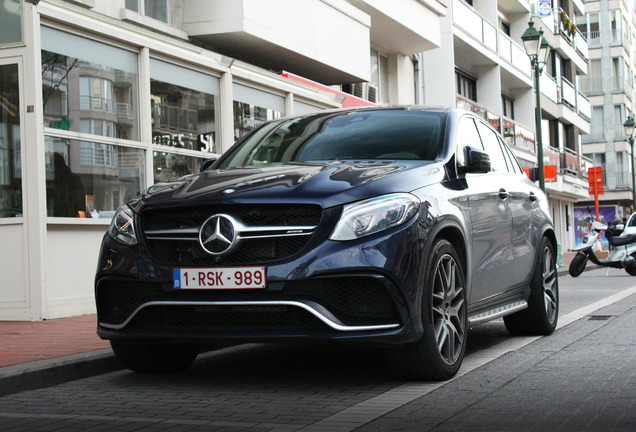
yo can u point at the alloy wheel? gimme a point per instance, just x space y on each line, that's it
449 309
550 294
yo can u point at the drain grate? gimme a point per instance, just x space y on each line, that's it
599 317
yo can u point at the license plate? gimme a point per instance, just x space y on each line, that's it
219 278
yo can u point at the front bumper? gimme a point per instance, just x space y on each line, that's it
362 290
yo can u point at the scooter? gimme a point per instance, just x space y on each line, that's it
623 255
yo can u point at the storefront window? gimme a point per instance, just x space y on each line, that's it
253 107
184 106
169 166
89 179
88 86
10 22
10 166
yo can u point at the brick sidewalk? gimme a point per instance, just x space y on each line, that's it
25 341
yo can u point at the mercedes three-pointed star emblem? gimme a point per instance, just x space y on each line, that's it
218 235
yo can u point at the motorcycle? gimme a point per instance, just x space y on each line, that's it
623 255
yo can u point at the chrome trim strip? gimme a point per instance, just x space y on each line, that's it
238 237
239 228
334 325
497 312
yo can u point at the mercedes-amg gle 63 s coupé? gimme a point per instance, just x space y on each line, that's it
396 226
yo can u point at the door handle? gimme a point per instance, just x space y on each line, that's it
503 194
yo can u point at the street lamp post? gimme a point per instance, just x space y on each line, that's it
538 49
629 131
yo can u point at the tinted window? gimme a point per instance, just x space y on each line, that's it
513 165
378 134
491 145
467 135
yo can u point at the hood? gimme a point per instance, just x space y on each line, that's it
326 184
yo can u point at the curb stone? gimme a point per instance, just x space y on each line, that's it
49 372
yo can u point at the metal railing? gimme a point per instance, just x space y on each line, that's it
549 87
552 156
591 84
586 164
569 161
593 38
97 103
472 23
583 105
567 93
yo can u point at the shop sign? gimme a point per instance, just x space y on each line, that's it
204 142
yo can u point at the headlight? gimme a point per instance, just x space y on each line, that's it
122 227
374 215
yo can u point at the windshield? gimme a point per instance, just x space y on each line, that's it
359 135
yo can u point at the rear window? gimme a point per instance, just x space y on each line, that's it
360 135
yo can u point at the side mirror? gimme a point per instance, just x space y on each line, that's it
207 163
477 161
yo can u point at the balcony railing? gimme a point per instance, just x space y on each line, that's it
567 93
472 23
586 164
549 87
97 103
552 156
581 44
593 38
591 84
569 161
583 105
510 51
577 39
597 134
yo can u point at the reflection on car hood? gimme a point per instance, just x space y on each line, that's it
327 184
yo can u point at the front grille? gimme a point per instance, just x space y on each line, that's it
254 215
184 247
353 301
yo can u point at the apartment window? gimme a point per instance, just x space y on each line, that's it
508 105
504 27
379 82
90 88
619 119
590 27
157 9
616 73
615 26
466 85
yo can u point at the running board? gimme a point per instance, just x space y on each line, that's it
497 312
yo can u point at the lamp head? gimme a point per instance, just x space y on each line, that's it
531 40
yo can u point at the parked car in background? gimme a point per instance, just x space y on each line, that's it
398 226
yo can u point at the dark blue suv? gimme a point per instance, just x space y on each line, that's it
399 226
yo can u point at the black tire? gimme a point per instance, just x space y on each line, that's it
443 319
162 358
542 314
631 268
578 264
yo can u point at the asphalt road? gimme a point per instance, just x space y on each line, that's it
583 377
